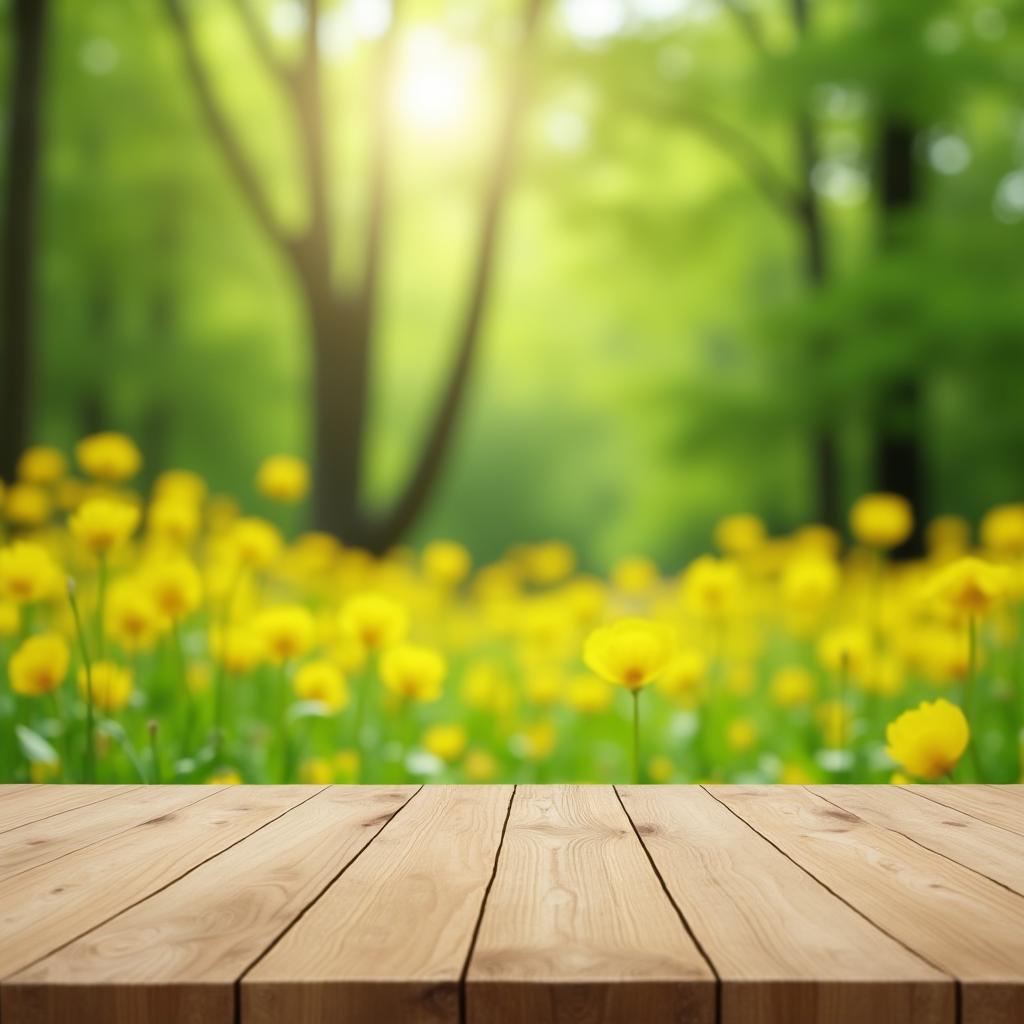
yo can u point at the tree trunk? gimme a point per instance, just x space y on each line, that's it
340 372
899 461
824 454
17 278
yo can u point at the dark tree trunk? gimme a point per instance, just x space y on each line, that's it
825 453
899 461
340 379
17 261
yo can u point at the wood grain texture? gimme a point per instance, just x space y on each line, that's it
964 924
991 851
46 907
785 949
998 805
577 926
26 804
389 939
177 955
50 838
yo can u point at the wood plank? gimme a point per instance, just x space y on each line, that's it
389 939
785 949
177 955
997 805
47 907
43 841
577 926
32 803
962 923
987 849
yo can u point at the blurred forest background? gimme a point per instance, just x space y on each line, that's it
507 270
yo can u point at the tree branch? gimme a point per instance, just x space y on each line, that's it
421 481
746 154
380 171
223 133
748 23
260 42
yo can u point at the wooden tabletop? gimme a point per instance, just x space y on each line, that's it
533 904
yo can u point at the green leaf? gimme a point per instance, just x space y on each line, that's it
35 748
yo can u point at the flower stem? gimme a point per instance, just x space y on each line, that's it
636 737
89 772
969 696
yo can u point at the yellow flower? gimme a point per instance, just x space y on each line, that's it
111 685
346 764
283 478
711 587
480 765
42 465
740 535
198 677
180 485
316 771
882 520
256 542
835 720
630 652
928 741
175 587
131 617
660 768
845 649
684 676
792 686
101 524
1002 531
795 775
538 741
445 741
808 584
224 777
375 620
445 562
970 586
634 574
27 572
28 505
41 772
741 735
948 537
549 562
413 673
39 665
589 695
109 457
10 618
238 648
321 681
173 521
287 631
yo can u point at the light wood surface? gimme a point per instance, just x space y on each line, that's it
512 905
783 946
959 921
33 803
60 834
997 805
47 907
991 851
206 930
577 926
388 941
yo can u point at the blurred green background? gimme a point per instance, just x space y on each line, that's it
748 254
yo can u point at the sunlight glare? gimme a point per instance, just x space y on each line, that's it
435 83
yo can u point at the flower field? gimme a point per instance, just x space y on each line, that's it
173 638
